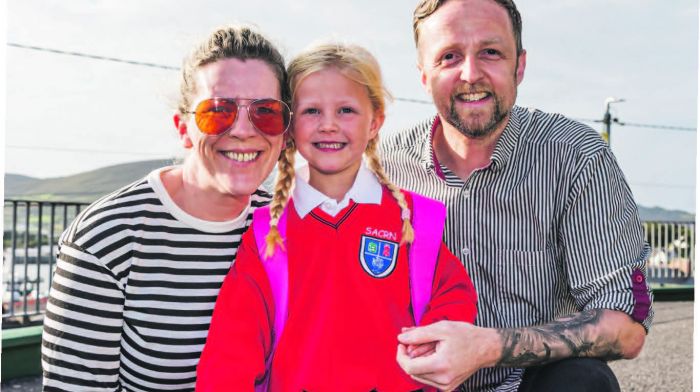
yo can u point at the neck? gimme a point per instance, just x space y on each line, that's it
462 154
334 185
203 203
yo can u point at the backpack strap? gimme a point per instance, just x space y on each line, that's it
428 220
277 270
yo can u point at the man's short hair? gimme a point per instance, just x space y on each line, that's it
425 8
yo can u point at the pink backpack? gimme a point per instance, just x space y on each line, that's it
428 220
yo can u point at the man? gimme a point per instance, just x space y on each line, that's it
538 211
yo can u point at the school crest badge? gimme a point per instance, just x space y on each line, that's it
378 257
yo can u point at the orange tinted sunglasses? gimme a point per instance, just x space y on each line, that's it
214 116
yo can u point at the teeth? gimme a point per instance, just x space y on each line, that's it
334 146
472 97
241 156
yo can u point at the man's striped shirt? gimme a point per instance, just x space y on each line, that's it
547 229
132 296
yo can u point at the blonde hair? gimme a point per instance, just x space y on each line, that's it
358 65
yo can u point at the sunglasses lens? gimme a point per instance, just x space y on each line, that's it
270 116
215 116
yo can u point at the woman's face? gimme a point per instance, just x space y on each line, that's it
236 162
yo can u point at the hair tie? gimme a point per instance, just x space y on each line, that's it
405 214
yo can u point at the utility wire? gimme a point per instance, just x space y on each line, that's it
401 99
145 64
670 127
653 126
83 150
423 101
92 56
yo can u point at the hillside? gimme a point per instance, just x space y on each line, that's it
86 186
660 214
91 185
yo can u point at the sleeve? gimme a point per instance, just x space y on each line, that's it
240 335
83 325
603 249
453 296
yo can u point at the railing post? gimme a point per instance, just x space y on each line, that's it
51 244
14 257
26 259
37 292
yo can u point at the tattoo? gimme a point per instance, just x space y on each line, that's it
571 336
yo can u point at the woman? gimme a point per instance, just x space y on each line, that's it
139 270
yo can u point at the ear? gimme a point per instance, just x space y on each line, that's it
181 126
376 124
423 78
520 72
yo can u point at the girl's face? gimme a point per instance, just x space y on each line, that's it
333 122
236 162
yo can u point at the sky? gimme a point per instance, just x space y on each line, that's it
68 114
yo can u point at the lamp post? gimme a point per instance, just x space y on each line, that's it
607 118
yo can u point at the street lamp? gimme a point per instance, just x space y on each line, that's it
607 118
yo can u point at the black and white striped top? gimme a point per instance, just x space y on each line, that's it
133 292
547 229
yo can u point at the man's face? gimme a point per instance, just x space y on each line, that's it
468 63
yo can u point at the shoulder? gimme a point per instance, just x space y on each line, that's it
136 198
412 138
556 130
427 205
260 198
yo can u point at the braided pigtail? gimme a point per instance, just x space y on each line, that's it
283 186
407 233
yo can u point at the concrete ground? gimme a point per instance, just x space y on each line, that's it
665 363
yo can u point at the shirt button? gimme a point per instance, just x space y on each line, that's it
465 193
466 251
328 204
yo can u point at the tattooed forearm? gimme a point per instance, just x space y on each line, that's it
578 335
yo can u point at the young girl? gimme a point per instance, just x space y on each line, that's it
344 233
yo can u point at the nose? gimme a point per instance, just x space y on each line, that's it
328 122
242 128
471 70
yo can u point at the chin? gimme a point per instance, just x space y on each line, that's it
239 187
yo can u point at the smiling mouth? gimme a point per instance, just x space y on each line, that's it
329 146
241 156
472 97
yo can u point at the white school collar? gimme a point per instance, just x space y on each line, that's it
366 189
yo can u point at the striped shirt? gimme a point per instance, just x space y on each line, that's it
547 229
134 290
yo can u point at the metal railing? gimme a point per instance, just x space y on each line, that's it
32 229
672 258
31 232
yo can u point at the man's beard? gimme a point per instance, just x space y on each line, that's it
482 130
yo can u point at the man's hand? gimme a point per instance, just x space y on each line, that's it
460 350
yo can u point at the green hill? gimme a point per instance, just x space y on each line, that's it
91 185
86 186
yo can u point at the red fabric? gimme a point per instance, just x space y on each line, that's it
343 322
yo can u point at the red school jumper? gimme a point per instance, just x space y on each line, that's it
342 327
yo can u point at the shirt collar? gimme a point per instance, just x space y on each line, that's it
506 143
428 158
365 190
501 153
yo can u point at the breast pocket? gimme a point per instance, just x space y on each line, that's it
532 284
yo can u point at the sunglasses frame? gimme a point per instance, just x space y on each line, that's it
238 111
